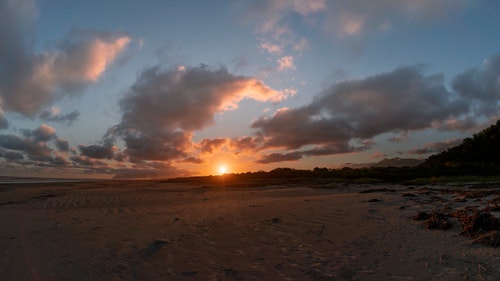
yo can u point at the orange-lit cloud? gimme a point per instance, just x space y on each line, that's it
31 81
251 88
84 60
162 109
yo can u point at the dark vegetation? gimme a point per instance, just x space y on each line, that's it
479 225
482 150
476 159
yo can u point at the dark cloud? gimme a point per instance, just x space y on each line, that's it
435 147
245 143
402 100
105 150
11 155
193 160
59 161
97 151
30 81
27 145
62 145
66 119
33 148
481 85
321 150
156 146
149 170
399 138
280 157
469 123
339 148
209 145
48 161
88 162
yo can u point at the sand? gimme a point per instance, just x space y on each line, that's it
152 230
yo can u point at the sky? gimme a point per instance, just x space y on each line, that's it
148 89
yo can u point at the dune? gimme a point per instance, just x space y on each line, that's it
154 230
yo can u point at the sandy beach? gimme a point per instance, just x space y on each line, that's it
154 230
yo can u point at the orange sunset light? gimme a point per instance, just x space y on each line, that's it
222 169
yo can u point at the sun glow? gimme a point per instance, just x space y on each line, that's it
222 169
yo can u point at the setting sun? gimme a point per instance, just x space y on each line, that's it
222 169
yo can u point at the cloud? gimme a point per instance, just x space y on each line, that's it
399 138
160 170
276 38
301 45
352 18
32 150
270 13
286 63
350 24
33 143
158 146
25 145
193 160
308 7
87 162
98 151
347 115
53 114
11 155
4 123
280 157
467 123
346 18
59 161
31 81
160 112
334 147
210 145
435 147
481 85
44 133
247 143
62 145
188 100
163 107
378 154
271 48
